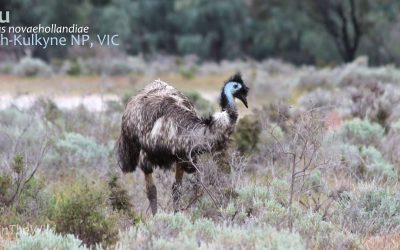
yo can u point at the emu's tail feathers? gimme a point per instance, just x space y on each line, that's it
128 151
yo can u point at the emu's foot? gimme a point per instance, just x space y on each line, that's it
152 196
176 196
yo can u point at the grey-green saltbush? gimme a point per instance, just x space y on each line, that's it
81 145
44 239
359 131
21 133
396 126
268 203
351 158
375 164
369 210
84 148
29 66
116 66
14 122
367 161
172 231
323 233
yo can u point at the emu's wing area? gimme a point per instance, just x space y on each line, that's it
158 116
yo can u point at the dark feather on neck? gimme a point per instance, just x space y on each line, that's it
226 106
207 120
223 102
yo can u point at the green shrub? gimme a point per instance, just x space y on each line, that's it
268 203
18 164
315 182
5 185
6 68
44 239
74 69
358 131
350 157
188 73
375 164
52 112
274 213
48 108
247 134
82 210
31 207
126 96
22 197
202 105
119 197
250 194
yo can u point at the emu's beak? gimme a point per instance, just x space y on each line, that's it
243 98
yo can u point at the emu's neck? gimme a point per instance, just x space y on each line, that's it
228 104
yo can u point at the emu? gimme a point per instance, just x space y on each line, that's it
160 127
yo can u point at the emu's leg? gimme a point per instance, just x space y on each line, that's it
151 192
151 189
197 184
177 187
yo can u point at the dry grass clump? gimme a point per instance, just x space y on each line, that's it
385 242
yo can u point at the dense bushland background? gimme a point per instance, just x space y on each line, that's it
312 31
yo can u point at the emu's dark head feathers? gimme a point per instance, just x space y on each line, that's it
239 88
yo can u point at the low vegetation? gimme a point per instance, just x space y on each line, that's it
315 168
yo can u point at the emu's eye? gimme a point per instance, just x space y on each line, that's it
236 86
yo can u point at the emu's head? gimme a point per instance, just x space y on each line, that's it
234 88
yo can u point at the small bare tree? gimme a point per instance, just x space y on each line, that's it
300 150
20 165
217 176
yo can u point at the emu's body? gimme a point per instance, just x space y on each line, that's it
160 127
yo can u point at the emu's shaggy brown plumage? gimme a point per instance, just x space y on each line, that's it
160 127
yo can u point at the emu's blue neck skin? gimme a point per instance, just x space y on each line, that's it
228 91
